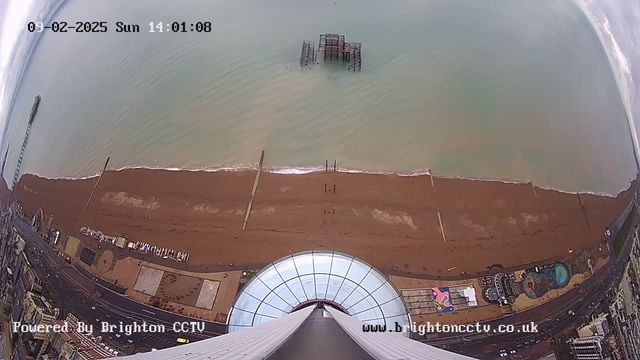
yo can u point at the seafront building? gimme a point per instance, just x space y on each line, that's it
588 348
36 311
598 327
297 305
313 332
614 334
74 345
335 279
625 310
24 303
337 297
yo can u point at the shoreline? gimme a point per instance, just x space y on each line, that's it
303 170
389 221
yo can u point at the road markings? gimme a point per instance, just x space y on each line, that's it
147 311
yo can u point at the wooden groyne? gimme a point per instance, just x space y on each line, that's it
96 186
253 192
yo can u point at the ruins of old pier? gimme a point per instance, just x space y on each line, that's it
330 47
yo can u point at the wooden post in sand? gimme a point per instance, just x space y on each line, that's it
253 192
441 227
534 190
96 186
326 165
335 162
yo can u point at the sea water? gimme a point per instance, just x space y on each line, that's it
519 90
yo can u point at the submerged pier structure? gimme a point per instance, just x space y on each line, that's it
330 47
355 58
308 54
34 108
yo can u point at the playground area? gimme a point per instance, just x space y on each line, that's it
442 299
536 284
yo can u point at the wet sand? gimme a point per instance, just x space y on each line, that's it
386 220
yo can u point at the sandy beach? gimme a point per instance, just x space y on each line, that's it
389 221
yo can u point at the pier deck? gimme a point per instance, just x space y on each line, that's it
355 57
308 53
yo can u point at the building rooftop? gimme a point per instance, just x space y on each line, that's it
344 282
321 333
82 343
41 304
85 346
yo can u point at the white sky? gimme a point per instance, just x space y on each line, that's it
12 24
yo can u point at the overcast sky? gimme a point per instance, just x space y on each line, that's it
13 17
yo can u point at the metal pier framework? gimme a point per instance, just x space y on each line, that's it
330 47
34 108
308 54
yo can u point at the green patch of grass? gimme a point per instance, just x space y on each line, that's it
248 275
621 237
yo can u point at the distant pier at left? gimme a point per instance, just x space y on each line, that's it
34 109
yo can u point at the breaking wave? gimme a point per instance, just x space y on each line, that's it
284 170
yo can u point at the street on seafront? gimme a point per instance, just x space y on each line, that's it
552 317
74 293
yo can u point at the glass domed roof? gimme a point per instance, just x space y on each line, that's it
343 281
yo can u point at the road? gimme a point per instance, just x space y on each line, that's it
551 318
74 292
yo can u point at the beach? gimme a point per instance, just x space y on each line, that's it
389 221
